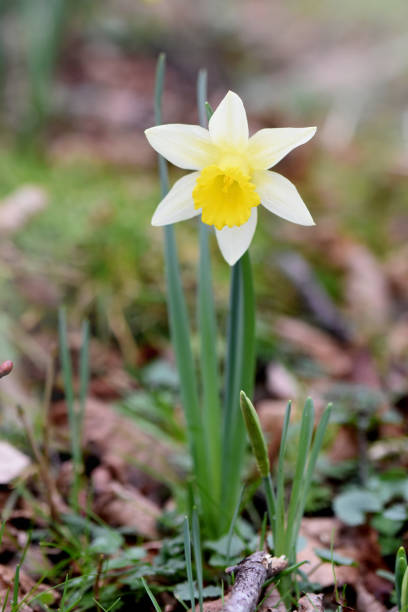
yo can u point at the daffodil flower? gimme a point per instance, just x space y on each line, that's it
231 175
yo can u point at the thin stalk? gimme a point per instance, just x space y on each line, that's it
179 328
262 536
270 502
83 373
208 336
16 585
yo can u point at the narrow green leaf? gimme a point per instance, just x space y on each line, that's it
279 529
305 436
208 336
178 319
314 453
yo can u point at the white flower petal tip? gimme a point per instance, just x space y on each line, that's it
178 204
235 241
229 124
280 196
268 146
186 146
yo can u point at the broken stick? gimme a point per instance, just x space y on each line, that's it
250 574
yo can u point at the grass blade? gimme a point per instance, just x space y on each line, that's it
233 523
150 594
187 555
14 606
70 401
198 556
5 600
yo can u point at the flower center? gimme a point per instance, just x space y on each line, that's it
226 196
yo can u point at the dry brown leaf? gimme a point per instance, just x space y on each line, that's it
318 534
212 606
125 506
311 603
366 290
19 206
357 543
26 585
272 601
271 414
118 442
12 462
280 382
344 445
367 601
316 344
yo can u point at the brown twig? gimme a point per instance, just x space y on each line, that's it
250 575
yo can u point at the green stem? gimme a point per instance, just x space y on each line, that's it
240 369
270 502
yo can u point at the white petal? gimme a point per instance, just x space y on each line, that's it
178 204
229 125
268 146
234 241
281 197
186 146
